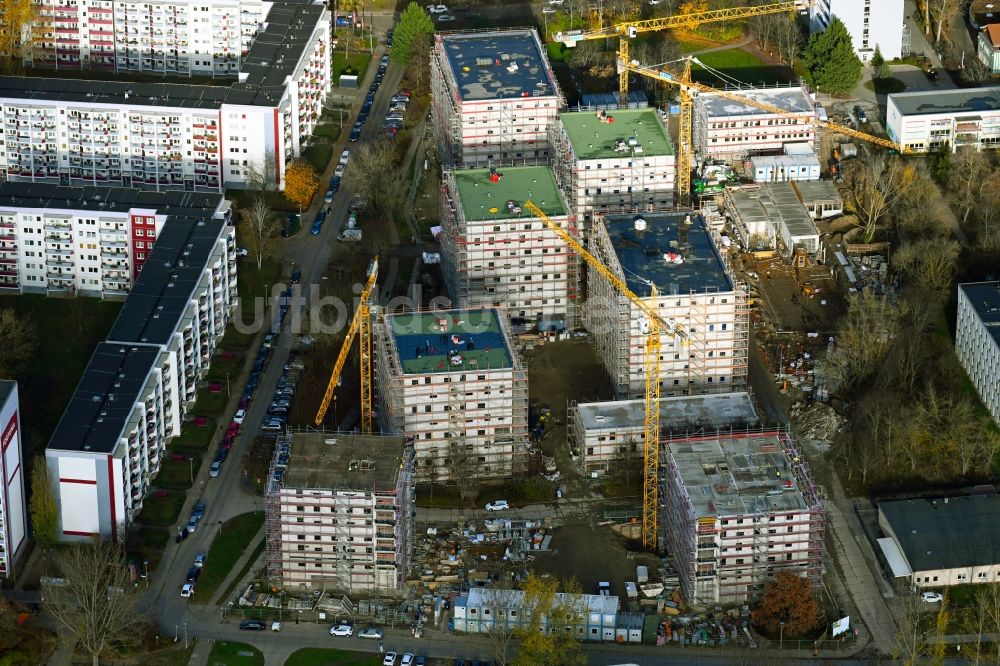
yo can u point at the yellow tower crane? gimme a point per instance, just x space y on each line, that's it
655 327
631 29
687 87
361 323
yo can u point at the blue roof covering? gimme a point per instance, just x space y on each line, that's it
641 254
609 100
497 65
450 341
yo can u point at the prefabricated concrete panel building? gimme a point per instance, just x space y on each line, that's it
493 95
695 292
496 253
925 121
13 509
452 381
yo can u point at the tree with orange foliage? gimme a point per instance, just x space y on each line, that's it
15 17
788 601
301 183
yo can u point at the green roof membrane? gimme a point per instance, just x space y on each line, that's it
593 137
450 341
482 199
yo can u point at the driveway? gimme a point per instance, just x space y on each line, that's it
916 81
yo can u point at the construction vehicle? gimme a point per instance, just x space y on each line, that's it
631 29
713 176
360 327
654 326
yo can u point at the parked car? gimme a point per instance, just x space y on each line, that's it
199 560
214 470
273 425
355 132
384 60
252 625
335 184
221 455
339 171
931 597
315 229
193 573
328 198
371 632
445 18
198 511
437 9
389 659
342 630
240 415
498 505
192 525
296 276
187 590
407 659
859 113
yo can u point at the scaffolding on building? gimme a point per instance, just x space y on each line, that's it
272 510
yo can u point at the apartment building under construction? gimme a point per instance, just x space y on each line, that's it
496 253
338 512
672 260
739 508
451 380
614 162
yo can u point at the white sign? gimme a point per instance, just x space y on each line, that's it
841 625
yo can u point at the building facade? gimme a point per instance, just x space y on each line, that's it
178 37
871 23
139 385
452 381
497 254
977 340
162 136
614 162
338 513
740 507
988 47
727 130
604 435
706 350
493 96
925 121
13 509
85 240
478 612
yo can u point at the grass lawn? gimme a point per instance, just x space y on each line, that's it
168 656
276 201
355 64
250 564
742 66
557 51
329 657
226 548
318 155
222 367
254 283
67 331
328 131
211 404
446 497
161 510
226 653
177 474
194 439
520 492
234 340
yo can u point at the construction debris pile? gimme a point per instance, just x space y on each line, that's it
815 421
709 629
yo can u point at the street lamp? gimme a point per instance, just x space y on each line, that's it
191 468
220 527
781 635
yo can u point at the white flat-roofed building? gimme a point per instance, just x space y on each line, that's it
13 509
338 513
614 161
771 216
695 292
610 433
729 130
479 610
493 96
977 340
495 253
870 23
925 121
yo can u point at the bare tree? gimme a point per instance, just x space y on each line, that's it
420 56
875 183
973 178
19 342
930 262
261 231
941 12
499 625
374 175
259 173
863 339
461 460
988 599
95 600
787 37
909 644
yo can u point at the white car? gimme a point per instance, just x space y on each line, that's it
242 252
373 633
342 630
339 171
931 597
437 9
445 18
213 472
389 659
407 659
345 157
187 590
240 415
555 2
329 197
498 505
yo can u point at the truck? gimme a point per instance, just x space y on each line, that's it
642 574
350 235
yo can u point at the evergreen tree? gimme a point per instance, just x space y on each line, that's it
412 22
879 67
830 58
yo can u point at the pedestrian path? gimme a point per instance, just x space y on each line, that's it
238 567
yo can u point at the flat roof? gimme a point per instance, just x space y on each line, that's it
7 387
993 33
676 413
90 91
115 199
167 281
498 65
985 299
641 253
482 199
817 191
726 476
792 99
450 341
774 203
479 597
344 461
961 100
593 136
946 533
103 400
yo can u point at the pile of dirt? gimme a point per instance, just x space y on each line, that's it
815 421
